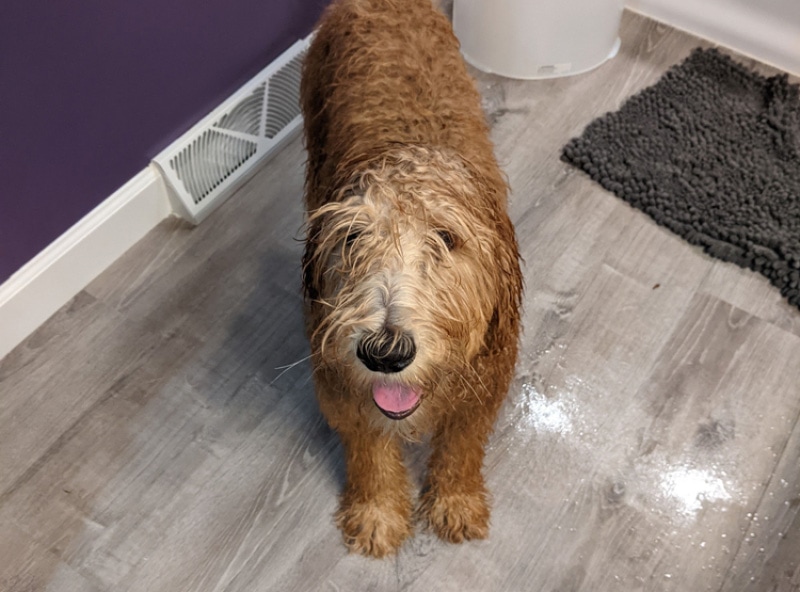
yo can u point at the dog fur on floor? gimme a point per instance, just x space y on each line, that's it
411 269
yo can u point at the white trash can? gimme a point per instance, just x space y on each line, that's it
537 38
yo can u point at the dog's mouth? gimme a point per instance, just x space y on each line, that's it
395 401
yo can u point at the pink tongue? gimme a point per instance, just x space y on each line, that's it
394 398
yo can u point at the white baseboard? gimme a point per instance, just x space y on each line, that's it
64 268
766 31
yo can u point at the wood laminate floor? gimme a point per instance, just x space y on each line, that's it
160 433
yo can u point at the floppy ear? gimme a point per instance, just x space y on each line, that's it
492 187
508 286
311 264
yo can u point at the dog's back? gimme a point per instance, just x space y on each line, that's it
390 73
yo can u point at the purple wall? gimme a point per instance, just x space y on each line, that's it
90 91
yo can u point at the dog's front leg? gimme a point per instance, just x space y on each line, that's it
454 503
375 510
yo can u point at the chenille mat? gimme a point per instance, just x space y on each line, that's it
712 152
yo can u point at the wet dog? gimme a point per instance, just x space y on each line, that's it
411 268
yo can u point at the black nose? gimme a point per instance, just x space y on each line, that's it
387 350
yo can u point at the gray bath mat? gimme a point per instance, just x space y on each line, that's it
712 152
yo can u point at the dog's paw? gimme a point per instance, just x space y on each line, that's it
456 517
374 528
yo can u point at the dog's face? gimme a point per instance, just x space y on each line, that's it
402 267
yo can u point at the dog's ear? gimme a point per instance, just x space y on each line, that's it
508 286
311 263
492 186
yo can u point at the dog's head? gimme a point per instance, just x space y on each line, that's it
405 268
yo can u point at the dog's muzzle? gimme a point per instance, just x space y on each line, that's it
387 351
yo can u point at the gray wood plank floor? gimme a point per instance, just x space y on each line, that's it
159 433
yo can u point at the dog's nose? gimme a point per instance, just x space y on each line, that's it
386 351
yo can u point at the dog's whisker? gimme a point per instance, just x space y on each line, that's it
472 388
286 368
293 364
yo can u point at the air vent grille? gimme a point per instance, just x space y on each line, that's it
209 160
205 165
245 117
284 89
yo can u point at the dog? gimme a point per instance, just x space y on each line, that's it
411 269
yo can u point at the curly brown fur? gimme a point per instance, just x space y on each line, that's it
411 268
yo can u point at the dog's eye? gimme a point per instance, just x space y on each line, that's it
447 238
352 237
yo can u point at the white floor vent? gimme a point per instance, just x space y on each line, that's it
205 165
